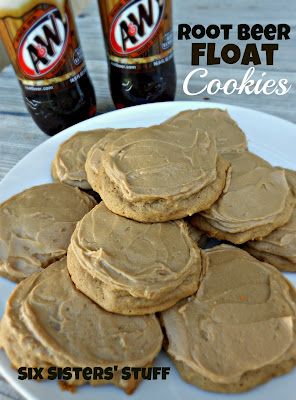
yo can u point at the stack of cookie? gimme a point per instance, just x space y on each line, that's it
156 174
136 254
256 201
279 247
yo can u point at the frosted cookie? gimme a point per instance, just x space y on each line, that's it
279 247
131 268
256 200
239 330
48 323
291 177
36 226
156 174
217 122
68 165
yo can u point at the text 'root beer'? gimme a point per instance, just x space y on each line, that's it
41 40
139 43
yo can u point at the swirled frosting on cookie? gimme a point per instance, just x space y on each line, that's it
282 241
36 226
64 328
69 163
255 195
291 177
242 319
161 162
218 123
146 261
94 156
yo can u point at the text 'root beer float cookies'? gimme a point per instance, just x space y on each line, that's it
239 330
47 322
132 268
36 226
68 165
279 247
256 200
158 173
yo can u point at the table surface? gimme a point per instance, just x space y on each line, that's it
19 134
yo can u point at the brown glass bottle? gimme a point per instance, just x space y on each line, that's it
44 48
139 43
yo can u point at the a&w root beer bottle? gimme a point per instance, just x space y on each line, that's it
139 43
42 42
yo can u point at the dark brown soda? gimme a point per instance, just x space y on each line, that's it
56 111
129 88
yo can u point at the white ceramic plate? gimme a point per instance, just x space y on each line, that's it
270 137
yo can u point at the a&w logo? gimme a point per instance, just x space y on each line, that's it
135 24
43 44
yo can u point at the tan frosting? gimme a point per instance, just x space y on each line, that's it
62 327
229 136
69 163
146 260
282 241
291 177
160 162
94 155
255 194
241 319
36 226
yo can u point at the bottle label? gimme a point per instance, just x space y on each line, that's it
44 44
43 47
138 32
